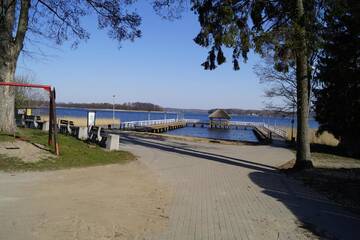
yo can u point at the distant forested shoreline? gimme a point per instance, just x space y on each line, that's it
263 112
138 106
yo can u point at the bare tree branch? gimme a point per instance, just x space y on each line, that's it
281 85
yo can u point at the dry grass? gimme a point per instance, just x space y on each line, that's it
82 121
325 138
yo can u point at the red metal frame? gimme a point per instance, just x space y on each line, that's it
52 112
14 84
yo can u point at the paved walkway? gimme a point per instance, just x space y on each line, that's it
234 192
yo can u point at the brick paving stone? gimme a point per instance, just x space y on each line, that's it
234 192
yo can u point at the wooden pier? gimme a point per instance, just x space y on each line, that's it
264 132
154 126
163 127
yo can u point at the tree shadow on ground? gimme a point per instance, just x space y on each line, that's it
341 185
315 213
200 154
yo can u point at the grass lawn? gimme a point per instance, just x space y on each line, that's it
328 160
73 153
6 138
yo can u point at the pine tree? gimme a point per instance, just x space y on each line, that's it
338 99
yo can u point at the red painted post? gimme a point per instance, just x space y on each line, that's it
52 111
56 140
50 139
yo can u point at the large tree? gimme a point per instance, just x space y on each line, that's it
286 30
56 20
338 99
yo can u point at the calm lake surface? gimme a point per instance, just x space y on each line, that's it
229 134
215 133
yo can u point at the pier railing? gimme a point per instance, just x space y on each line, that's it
143 123
188 120
135 124
278 131
270 128
250 124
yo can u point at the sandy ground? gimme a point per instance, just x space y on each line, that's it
105 202
82 121
25 151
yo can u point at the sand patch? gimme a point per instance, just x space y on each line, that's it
82 121
25 151
104 202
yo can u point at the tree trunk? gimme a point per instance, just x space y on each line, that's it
7 97
10 48
303 156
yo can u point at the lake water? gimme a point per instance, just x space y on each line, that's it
216 133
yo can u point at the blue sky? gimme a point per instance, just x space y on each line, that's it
162 67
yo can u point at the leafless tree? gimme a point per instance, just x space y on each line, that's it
280 88
29 97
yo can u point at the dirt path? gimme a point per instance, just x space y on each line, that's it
105 202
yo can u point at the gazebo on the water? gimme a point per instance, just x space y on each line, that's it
219 119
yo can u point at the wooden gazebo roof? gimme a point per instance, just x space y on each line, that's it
219 114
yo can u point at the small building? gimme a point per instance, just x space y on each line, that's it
219 119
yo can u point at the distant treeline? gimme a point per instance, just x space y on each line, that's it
139 106
255 112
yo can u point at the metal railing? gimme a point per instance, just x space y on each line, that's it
278 131
250 124
191 120
135 124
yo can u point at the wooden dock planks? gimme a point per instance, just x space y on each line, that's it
159 128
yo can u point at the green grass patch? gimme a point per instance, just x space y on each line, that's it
332 158
6 138
73 153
